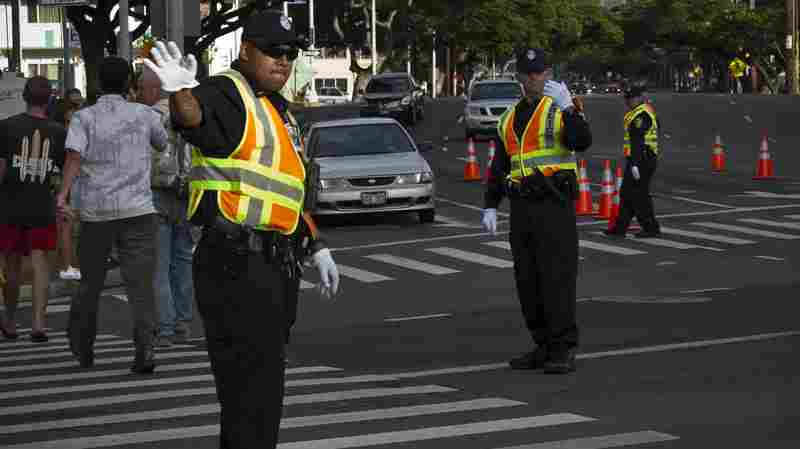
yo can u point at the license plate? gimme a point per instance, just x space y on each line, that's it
373 198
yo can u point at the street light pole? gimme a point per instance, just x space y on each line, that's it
124 36
433 67
791 46
374 40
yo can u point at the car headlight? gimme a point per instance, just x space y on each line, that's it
416 178
475 111
333 184
406 101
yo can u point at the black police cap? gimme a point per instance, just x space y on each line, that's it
531 60
271 28
635 90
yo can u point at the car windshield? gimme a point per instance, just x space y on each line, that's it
331 92
491 91
358 140
388 86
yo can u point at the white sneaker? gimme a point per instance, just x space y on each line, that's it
70 274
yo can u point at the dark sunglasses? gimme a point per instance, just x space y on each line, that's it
279 51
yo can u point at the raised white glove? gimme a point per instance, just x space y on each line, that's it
489 220
328 273
174 71
635 172
559 93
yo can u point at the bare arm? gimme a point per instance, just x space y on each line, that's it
72 165
185 109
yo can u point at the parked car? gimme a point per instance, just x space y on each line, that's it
612 88
394 95
488 99
331 95
367 165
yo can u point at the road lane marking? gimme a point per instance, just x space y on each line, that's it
286 423
778 259
311 398
27 304
609 248
793 217
602 442
706 290
453 223
419 317
38 356
83 375
60 308
580 224
702 235
499 244
604 354
666 263
25 344
402 436
412 264
304 285
690 200
59 347
435 433
74 364
362 275
666 243
775 224
467 206
469 256
744 230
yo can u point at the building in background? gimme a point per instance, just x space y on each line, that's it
42 43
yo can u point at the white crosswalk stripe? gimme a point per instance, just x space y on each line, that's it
92 409
746 230
412 264
613 249
361 275
776 224
704 236
666 243
473 257
793 217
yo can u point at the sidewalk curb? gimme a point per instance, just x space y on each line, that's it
60 288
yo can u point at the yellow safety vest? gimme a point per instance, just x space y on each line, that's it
260 184
650 138
541 142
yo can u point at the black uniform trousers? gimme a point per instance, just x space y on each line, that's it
635 199
544 244
242 301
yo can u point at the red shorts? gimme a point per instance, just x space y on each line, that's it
15 239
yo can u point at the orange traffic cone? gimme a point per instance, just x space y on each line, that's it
583 205
616 202
717 155
765 167
606 192
472 172
492 149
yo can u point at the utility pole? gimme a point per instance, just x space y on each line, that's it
374 30
124 36
791 46
175 33
311 29
15 62
67 40
433 67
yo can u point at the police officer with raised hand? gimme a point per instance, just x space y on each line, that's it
247 189
640 149
535 166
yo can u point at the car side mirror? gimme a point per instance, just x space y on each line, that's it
425 147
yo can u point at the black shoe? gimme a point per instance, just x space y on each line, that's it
561 362
38 337
648 234
85 358
530 360
144 361
614 234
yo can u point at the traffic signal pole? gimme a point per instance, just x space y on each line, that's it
791 46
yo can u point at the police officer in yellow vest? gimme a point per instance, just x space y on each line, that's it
247 188
535 166
640 149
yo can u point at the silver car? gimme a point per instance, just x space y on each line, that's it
370 165
488 99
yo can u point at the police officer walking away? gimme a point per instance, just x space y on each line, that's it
535 166
641 154
247 188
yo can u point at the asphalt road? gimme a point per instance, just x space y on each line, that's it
686 342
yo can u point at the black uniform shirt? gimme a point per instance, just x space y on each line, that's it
575 135
221 131
637 130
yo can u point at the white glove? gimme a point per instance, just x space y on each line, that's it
559 93
489 220
635 172
328 273
174 71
